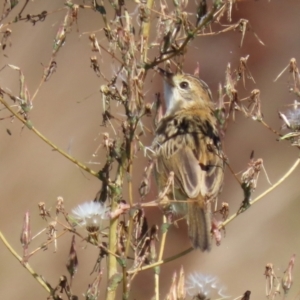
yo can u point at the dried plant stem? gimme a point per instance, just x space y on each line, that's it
160 262
156 284
112 238
160 255
73 230
43 246
130 195
146 30
40 84
163 240
283 178
269 127
130 168
38 278
130 228
30 126
112 262
125 283
232 172
204 22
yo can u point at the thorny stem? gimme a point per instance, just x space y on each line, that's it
37 277
30 126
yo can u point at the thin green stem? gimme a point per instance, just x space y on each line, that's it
37 277
30 126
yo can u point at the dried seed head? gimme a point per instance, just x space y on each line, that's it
26 231
60 204
293 117
51 229
148 108
90 215
43 211
269 271
246 295
72 263
94 288
206 286
216 231
287 279
224 211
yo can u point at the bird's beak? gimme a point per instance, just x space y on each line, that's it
168 76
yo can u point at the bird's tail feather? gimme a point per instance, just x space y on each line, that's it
199 224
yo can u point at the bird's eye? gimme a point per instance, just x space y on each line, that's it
184 84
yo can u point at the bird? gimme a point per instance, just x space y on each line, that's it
187 147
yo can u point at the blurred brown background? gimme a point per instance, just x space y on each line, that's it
31 172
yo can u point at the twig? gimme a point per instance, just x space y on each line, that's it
23 8
146 30
205 21
37 277
269 127
160 262
284 177
30 126
43 246
130 195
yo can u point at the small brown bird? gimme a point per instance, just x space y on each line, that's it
187 143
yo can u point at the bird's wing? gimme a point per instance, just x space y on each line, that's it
192 150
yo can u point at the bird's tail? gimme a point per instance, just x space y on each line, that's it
199 223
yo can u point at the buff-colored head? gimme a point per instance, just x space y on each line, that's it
183 91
